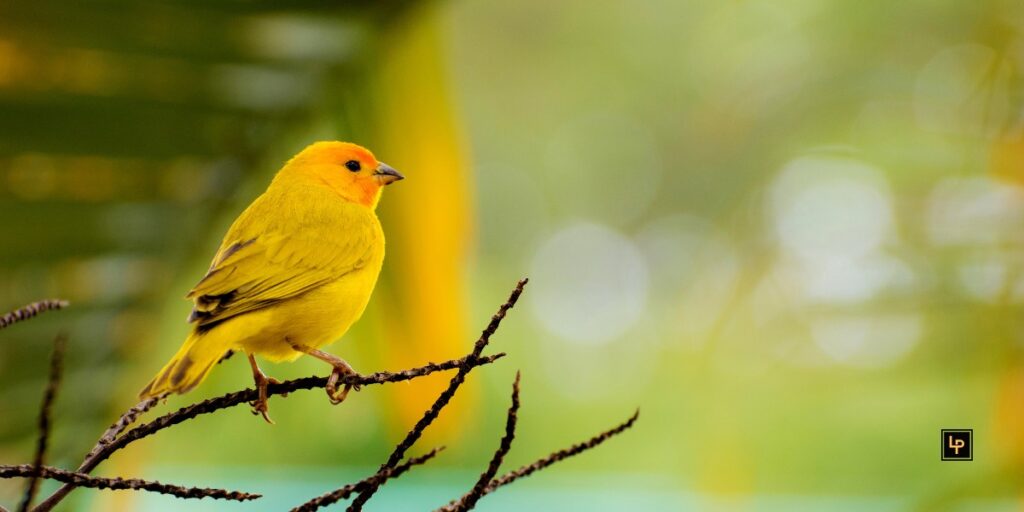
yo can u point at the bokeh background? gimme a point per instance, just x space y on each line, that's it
791 232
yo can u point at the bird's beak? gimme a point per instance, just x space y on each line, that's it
387 174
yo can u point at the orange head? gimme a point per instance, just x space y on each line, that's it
348 169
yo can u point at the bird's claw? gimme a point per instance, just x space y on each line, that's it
261 409
333 394
260 405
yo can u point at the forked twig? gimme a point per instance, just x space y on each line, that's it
376 479
52 384
126 420
442 400
468 500
116 484
560 455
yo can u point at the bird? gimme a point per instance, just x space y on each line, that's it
295 270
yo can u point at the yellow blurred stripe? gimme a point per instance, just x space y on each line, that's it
427 221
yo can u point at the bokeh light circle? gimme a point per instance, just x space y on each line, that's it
827 208
591 284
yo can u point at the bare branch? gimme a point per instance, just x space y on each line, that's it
431 414
540 464
96 456
468 500
117 484
31 310
52 384
126 420
560 455
376 479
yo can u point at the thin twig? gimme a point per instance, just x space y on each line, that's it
468 500
117 484
560 455
52 385
126 420
31 310
442 400
375 479
245 396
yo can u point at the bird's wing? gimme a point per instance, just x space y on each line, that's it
252 271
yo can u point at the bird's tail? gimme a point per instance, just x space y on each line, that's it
188 367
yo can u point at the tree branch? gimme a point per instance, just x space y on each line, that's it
116 484
126 420
468 500
52 384
558 456
31 310
442 400
376 479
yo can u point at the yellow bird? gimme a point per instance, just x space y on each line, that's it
293 273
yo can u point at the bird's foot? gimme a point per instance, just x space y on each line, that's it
260 405
341 369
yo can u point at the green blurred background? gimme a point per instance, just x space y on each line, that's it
791 232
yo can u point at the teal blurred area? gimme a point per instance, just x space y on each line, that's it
790 232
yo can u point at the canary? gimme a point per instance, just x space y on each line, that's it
293 273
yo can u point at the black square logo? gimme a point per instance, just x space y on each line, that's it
958 444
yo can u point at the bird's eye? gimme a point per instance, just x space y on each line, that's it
353 165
